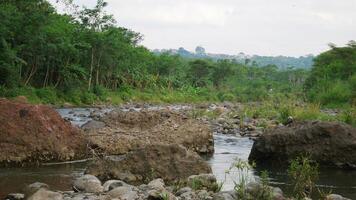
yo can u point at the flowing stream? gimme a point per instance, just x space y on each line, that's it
227 149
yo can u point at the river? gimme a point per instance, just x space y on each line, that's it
227 148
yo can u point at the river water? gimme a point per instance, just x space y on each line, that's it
227 149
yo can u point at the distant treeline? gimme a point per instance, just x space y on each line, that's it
282 62
84 56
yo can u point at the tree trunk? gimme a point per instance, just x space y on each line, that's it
91 68
46 77
98 69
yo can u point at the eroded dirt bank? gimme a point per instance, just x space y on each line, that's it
119 132
37 133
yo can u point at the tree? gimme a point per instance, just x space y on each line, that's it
199 72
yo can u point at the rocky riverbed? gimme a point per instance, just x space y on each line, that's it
127 122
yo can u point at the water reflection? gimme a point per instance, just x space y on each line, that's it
228 147
58 177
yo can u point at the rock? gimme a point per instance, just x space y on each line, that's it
93 125
159 195
253 188
88 183
70 195
256 190
112 184
44 194
34 187
36 133
277 194
336 197
157 184
229 195
15 196
169 162
206 181
203 194
328 143
183 190
123 193
134 130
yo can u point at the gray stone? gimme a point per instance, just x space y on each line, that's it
44 194
34 187
123 193
223 196
88 183
183 190
93 125
157 184
112 184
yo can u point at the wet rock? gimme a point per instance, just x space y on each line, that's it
36 133
44 194
169 162
88 183
127 131
328 143
15 196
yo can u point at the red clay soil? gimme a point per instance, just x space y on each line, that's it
36 133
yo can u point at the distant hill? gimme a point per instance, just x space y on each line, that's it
281 62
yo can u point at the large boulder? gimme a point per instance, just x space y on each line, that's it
119 132
169 162
329 143
36 133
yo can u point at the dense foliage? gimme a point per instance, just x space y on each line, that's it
83 56
333 80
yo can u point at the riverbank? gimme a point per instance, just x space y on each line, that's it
227 122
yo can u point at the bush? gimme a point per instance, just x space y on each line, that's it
28 92
303 174
88 98
100 92
47 95
73 96
284 113
222 96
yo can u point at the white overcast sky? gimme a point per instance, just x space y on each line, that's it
263 27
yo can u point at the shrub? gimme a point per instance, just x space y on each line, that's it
222 96
88 98
303 174
100 92
47 95
284 113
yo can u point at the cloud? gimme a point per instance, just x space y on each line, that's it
273 27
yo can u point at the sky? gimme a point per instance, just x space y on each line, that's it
261 27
